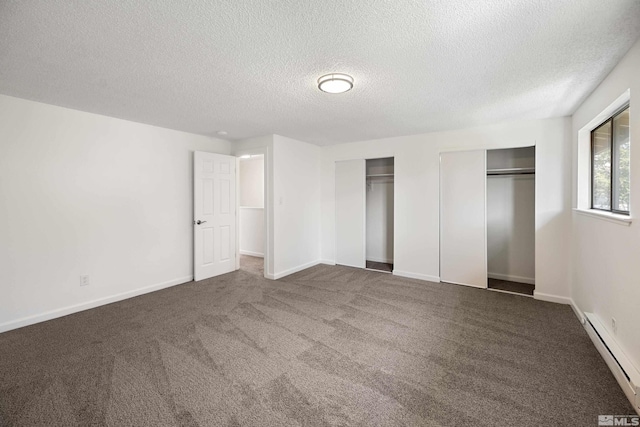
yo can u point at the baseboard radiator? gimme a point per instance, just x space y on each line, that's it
623 370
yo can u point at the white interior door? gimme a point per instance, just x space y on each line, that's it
214 210
351 213
463 224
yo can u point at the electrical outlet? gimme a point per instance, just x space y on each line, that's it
84 280
614 326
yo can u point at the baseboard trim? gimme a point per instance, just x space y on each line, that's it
510 293
386 261
620 366
449 282
255 254
290 271
65 311
418 276
631 391
327 262
551 298
511 278
352 266
576 310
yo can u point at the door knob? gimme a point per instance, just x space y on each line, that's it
199 222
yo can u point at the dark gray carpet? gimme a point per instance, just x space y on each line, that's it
505 285
381 266
326 346
252 264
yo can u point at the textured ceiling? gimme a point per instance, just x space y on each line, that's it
249 67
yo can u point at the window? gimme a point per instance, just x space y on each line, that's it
610 146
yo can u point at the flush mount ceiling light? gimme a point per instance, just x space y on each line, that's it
335 83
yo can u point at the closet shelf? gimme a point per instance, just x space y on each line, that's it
511 171
377 175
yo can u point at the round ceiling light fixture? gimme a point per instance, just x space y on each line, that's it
335 83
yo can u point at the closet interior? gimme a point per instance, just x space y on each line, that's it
365 213
487 219
510 213
379 214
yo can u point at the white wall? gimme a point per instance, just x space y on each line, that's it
83 194
296 195
292 173
606 271
251 176
252 231
251 195
416 234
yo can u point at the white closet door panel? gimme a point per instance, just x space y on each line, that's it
463 225
350 213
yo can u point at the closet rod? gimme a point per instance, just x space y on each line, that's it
509 173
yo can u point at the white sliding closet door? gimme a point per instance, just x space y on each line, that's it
463 224
350 212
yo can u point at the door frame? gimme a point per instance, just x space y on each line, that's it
268 229
383 155
487 147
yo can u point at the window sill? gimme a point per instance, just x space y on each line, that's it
606 216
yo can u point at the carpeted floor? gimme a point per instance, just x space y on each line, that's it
380 266
326 346
506 285
252 264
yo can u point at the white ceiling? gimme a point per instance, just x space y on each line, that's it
249 67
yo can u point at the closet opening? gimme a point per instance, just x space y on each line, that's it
251 217
510 212
379 214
